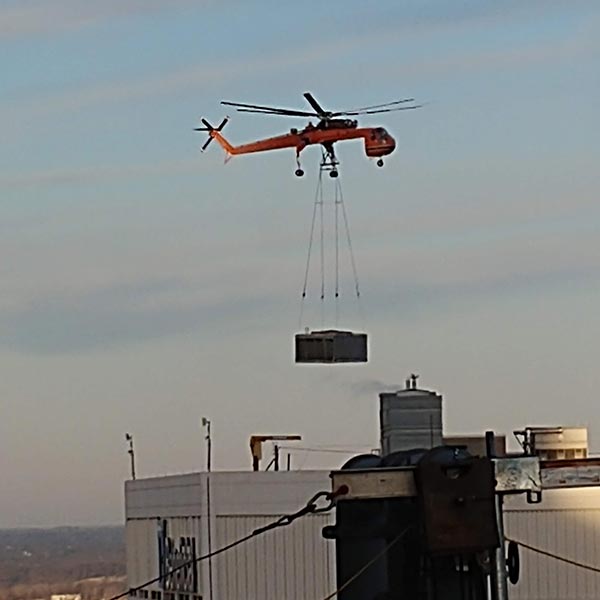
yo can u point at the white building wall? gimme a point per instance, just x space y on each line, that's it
296 563
291 562
566 523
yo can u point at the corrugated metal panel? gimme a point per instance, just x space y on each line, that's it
142 547
296 563
293 562
140 553
571 533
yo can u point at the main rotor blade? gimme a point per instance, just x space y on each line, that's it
384 105
382 110
257 106
318 108
280 113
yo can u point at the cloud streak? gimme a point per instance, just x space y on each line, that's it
21 18
129 313
118 315
100 174
211 74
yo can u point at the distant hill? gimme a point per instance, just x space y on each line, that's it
37 562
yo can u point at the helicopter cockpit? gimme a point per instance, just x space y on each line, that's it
379 143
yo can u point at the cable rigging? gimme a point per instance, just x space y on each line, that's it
366 566
310 508
329 164
555 556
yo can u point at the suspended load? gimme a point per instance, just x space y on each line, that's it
331 346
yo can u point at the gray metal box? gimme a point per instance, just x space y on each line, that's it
410 419
331 346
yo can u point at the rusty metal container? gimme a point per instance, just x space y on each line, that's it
331 346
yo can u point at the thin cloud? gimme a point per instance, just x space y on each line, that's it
99 174
212 74
369 387
118 315
130 313
196 76
20 18
34 17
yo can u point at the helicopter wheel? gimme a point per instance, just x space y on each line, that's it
380 162
333 173
299 172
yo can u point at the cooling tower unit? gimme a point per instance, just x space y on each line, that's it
409 419
560 443
331 346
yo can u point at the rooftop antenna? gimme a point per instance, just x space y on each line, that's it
208 438
413 381
131 452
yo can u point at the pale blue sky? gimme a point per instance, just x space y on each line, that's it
146 285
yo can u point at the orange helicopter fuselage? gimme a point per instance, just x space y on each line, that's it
377 141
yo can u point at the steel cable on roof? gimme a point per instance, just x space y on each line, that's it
569 561
365 567
309 508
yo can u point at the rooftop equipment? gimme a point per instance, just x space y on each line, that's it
331 346
256 442
410 418
475 445
554 443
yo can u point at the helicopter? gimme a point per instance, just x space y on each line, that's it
331 127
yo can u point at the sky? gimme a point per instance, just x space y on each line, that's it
146 285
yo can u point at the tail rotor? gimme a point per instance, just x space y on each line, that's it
210 129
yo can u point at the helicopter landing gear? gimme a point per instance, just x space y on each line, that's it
298 172
329 161
380 162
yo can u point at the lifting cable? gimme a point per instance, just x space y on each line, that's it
340 214
322 252
555 556
310 508
318 203
350 249
337 256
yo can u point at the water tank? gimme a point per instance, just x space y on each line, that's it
410 418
